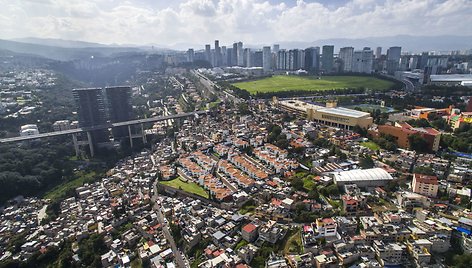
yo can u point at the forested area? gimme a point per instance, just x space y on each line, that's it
30 170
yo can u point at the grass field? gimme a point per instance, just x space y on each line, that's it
189 187
80 178
279 83
294 243
371 145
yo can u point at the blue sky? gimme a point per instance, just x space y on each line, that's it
169 22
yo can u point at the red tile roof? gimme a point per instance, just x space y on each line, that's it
249 228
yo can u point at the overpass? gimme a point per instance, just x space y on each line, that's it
87 130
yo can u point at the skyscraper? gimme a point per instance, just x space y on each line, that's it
91 111
281 60
119 108
378 52
393 59
312 59
190 55
229 56
224 58
240 54
293 59
257 59
234 55
217 54
247 57
346 54
266 59
276 48
363 61
208 53
327 58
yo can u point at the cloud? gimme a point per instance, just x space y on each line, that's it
252 21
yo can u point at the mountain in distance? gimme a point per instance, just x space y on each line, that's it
57 42
64 53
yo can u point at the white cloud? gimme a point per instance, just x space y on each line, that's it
252 21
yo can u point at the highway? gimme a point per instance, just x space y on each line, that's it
106 126
179 259
210 86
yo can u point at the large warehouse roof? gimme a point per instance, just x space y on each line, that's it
362 175
344 112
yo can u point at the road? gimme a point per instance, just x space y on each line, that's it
106 126
179 259
210 86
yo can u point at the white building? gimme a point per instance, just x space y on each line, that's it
372 177
29 130
61 125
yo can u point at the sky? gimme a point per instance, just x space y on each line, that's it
171 22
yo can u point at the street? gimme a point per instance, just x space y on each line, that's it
179 259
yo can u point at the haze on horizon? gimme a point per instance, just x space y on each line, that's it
252 21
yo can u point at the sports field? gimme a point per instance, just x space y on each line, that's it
279 83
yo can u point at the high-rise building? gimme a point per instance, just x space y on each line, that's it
363 61
247 57
312 59
91 111
393 59
208 53
190 55
217 54
378 52
327 58
280 60
404 63
346 54
224 58
276 48
257 61
229 56
240 54
424 60
293 60
394 53
119 108
266 59
414 62
234 55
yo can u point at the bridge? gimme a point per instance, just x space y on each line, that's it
87 130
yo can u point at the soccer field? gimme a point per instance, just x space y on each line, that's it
279 83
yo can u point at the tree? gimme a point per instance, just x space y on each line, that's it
243 108
314 194
424 170
418 143
366 162
463 261
297 183
360 130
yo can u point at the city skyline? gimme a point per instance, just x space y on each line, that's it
253 22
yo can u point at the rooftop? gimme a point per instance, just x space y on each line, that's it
363 175
344 112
